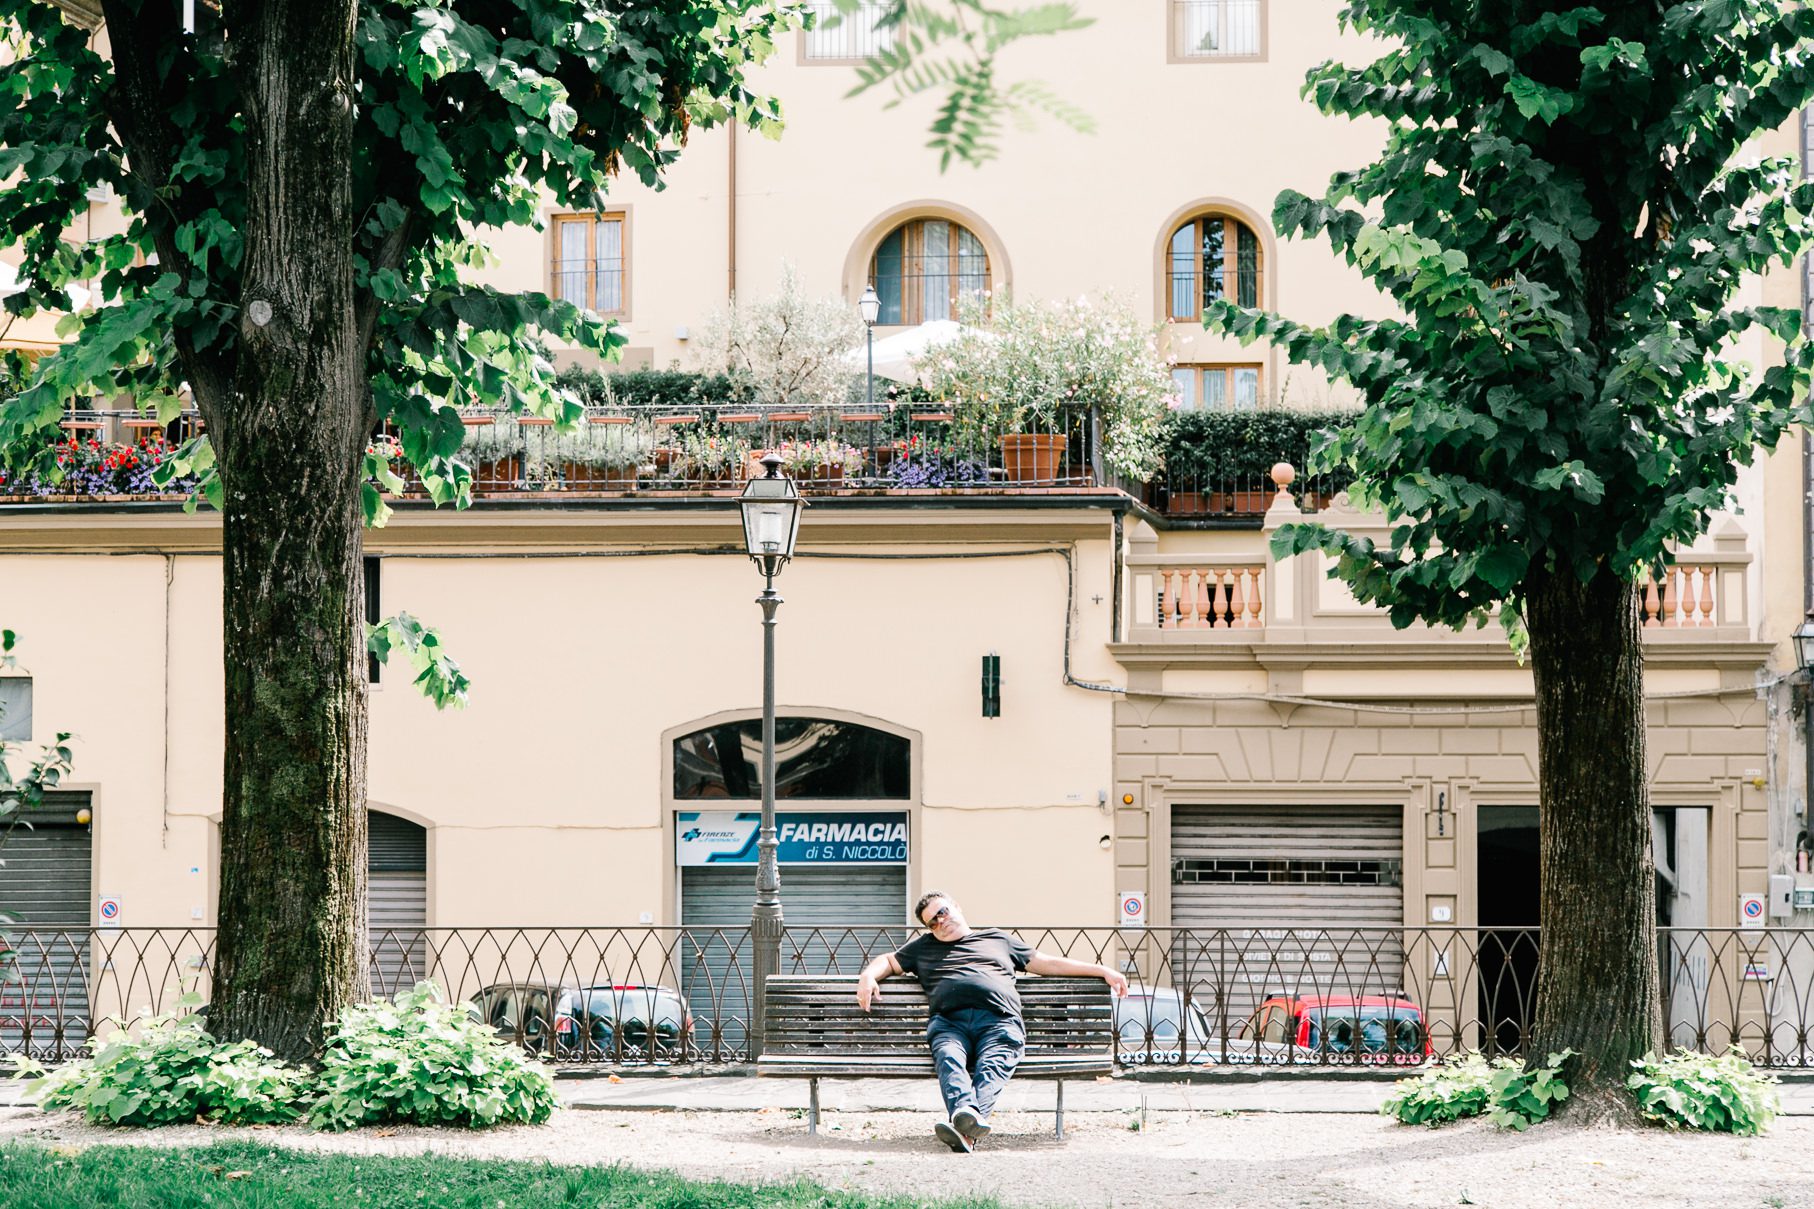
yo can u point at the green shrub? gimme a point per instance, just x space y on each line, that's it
1460 1087
655 388
420 1060
170 1074
1522 1097
1221 445
1723 1094
1467 1085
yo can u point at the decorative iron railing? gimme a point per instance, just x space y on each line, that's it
643 449
1336 997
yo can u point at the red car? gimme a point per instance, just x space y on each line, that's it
1379 1029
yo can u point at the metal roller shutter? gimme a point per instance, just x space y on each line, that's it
835 919
46 883
1286 900
396 902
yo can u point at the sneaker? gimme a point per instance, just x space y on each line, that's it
970 1125
951 1137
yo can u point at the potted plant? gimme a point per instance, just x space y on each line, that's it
713 458
821 465
597 457
496 452
1027 376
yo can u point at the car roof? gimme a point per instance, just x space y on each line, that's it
1311 1002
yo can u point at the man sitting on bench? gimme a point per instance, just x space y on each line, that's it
976 1032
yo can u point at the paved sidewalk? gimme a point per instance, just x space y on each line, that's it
746 1093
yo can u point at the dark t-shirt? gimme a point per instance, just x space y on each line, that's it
975 972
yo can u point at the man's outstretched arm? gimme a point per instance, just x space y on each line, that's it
879 967
1045 963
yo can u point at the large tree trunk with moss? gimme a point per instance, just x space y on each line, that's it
1597 991
288 435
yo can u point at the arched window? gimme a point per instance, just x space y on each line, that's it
814 758
1212 256
922 267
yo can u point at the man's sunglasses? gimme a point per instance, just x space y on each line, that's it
941 913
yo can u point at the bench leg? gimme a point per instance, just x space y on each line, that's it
1060 1128
812 1106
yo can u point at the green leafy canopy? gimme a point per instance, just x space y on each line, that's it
1564 212
470 113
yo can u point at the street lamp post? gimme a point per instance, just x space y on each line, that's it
870 307
771 523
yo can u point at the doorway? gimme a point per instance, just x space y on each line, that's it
1507 881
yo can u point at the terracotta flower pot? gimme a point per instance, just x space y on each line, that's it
500 475
1186 503
821 478
1032 457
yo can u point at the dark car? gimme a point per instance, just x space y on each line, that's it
618 1023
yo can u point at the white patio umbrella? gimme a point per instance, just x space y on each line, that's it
895 355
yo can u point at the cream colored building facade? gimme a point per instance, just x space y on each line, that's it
1139 744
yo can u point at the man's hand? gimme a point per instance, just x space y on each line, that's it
867 990
1116 979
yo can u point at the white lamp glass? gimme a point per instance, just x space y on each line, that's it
870 305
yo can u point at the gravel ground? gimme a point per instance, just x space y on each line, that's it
1258 1161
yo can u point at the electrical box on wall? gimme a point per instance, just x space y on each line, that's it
1782 893
991 685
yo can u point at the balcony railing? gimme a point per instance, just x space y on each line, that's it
684 996
640 450
841 37
1218 29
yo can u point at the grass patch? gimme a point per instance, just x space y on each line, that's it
245 1175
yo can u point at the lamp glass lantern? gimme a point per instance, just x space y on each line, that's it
771 506
1804 643
870 305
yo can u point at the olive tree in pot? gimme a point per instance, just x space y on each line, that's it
1028 376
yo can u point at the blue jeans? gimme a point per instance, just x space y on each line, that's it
975 1052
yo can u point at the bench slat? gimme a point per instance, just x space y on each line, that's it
816 1029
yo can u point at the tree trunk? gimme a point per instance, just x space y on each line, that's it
288 438
1597 991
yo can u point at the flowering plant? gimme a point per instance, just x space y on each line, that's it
812 459
714 455
1016 367
94 467
918 462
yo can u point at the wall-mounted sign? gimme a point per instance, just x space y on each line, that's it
1132 913
109 911
816 837
1751 910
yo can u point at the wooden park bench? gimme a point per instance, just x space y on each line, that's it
816 1031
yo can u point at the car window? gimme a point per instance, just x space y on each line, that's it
503 1013
1371 1029
535 1011
1273 1029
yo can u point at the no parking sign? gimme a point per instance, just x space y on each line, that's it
1751 910
109 911
1132 913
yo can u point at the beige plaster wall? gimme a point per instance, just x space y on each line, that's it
544 799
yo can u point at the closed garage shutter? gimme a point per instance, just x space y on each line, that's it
835 917
396 902
1286 900
46 884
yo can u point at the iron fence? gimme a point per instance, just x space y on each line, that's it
1201 997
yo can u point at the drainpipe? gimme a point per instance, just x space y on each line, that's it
1807 494
731 212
